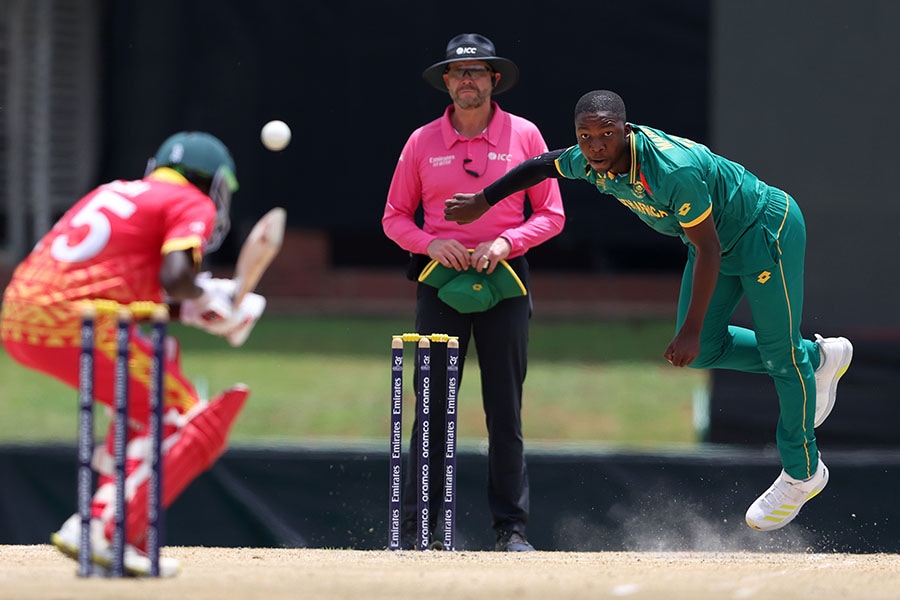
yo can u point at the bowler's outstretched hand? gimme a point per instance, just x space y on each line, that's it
465 208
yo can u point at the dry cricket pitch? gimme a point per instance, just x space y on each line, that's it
41 572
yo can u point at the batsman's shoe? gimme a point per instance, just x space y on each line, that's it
137 564
782 502
835 354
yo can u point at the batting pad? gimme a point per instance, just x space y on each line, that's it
202 440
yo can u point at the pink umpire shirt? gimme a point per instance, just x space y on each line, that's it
438 162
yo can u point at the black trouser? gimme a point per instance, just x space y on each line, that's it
501 341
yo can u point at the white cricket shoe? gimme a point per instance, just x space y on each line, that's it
835 354
137 564
783 500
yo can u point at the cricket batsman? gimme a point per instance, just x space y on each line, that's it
125 242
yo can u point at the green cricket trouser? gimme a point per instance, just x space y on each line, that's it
775 346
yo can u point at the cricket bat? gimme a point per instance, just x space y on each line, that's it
259 250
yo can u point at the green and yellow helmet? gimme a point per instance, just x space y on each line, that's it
204 161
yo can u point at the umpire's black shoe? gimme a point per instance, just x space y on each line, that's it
512 541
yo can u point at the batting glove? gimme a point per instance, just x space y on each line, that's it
249 312
215 313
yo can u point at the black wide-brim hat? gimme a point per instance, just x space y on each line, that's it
472 46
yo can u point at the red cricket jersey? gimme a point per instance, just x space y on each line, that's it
109 245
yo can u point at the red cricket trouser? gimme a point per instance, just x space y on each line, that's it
58 356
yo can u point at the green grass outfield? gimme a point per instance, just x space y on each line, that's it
328 379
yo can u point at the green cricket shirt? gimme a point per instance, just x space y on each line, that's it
675 183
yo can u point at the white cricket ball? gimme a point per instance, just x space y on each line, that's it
275 135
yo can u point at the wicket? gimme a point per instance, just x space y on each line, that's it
423 415
125 315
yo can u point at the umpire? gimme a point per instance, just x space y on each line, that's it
473 280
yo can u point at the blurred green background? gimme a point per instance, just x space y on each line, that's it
327 379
